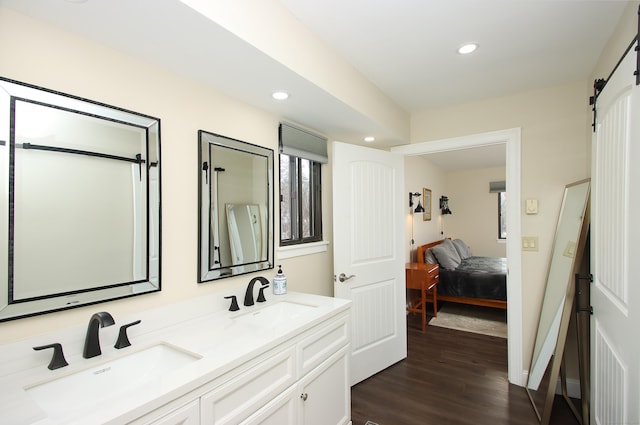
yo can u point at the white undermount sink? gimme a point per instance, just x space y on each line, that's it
90 386
275 315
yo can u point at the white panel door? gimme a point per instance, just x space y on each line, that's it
368 206
615 251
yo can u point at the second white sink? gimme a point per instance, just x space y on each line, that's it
87 387
276 314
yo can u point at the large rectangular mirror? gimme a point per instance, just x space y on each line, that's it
568 248
80 204
236 207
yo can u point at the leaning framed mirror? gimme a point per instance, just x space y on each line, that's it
557 304
235 207
80 203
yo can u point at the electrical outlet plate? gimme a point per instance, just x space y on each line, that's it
531 206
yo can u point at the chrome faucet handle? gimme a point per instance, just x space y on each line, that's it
123 338
234 303
57 360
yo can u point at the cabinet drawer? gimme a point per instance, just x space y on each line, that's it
237 399
281 411
316 348
181 411
188 414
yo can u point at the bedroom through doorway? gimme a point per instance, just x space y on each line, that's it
509 140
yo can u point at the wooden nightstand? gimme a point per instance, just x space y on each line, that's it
424 278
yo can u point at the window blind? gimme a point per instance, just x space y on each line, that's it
302 143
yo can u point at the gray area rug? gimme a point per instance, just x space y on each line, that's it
471 318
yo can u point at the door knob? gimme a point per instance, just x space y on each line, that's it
343 277
304 396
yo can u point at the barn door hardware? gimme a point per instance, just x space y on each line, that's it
598 85
580 294
637 72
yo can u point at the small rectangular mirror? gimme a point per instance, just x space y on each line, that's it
236 207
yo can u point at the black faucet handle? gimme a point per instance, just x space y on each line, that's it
261 297
123 338
57 360
234 303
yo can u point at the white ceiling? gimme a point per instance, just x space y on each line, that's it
407 48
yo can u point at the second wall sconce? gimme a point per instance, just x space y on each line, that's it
419 208
444 205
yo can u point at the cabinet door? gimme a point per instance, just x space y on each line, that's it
189 414
325 395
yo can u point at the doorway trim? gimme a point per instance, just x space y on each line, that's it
511 138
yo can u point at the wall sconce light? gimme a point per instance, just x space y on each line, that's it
444 205
419 208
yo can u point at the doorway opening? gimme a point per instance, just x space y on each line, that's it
510 138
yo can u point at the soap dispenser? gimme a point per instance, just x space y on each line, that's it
279 283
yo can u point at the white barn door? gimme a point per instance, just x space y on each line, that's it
368 238
615 251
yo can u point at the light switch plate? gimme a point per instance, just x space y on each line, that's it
570 249
529 243
531 206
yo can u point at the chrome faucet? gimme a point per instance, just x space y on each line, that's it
92 341
248 296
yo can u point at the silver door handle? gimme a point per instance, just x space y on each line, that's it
343 277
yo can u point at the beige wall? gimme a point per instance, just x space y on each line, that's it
474 217
420 173
553 154
55 59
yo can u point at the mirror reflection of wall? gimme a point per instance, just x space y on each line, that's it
65 225
236 207
245 233
81 184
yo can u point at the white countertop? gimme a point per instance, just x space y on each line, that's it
223 341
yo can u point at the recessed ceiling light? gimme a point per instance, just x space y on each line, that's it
369 139
467 48
280 95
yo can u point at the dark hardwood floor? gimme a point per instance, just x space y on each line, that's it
448 378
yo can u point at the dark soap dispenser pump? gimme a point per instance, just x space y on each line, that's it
279 283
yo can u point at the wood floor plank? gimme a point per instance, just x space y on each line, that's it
448 378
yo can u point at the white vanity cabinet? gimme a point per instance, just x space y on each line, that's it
241 396
325 396
321 397
189 414
302 381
